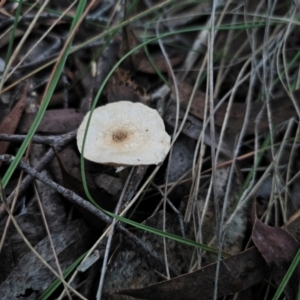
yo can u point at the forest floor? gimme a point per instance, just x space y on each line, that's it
207 205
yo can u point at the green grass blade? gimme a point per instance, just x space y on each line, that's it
287 276
161 233
52 288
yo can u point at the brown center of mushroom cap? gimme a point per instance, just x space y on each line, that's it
123 137
119 135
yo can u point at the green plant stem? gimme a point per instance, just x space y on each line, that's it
287 276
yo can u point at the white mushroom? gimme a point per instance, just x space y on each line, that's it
124 134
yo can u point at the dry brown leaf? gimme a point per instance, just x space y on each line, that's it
278 248
56 121
2 2
11 121
236 273
160 63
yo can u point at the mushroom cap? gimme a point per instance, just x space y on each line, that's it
124 134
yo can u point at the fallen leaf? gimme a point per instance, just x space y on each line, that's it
11 121
2 2
56 121
160 63
278 248
236 274
32 277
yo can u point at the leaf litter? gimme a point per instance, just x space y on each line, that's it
185 195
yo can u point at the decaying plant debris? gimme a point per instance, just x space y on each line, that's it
217 214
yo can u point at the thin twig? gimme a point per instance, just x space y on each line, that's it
61 142
132 239
37 139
